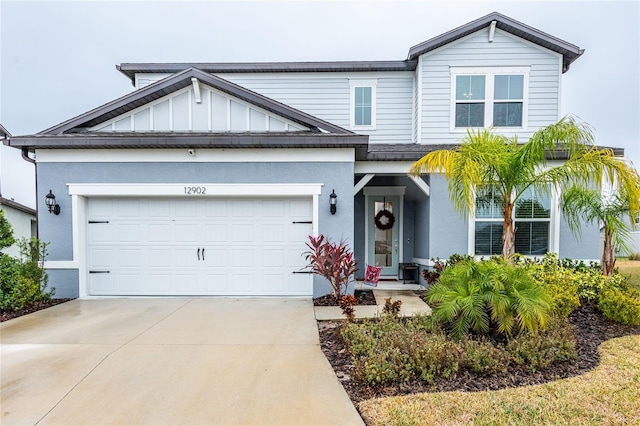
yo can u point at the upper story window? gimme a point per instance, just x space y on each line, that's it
485 97
363 104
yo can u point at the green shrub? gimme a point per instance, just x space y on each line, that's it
24 281
620 304
486 296
539 350
390 350
634 256
6 232
559 283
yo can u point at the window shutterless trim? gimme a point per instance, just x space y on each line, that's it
353 83
489 101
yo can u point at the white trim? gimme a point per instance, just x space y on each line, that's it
315 215
489 101
61 264
492 30
422 261
384 190
178 189
381 167
419 114
205 155
196 89
424 187
362 182
381 191
353 83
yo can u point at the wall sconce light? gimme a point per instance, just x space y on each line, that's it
333 201
50 201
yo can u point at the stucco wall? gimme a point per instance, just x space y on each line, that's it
21 224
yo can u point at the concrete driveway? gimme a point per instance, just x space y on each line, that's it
168 361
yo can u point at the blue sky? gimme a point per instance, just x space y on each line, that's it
58 58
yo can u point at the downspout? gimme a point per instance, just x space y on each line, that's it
25 156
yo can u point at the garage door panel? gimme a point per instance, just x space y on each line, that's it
217 258
243 232
160 232
128 232
150 246
242 208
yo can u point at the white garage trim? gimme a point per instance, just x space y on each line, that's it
81 191
201 189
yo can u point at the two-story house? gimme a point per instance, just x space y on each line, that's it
208 177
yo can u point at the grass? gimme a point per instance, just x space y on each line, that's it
608 395
631 270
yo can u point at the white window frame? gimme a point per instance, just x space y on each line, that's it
489 101
554 228
372 83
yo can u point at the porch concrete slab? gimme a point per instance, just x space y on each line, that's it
35 377
411 303
147 378
226 321
104 321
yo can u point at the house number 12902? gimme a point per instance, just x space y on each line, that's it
195 190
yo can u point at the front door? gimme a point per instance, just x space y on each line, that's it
383 233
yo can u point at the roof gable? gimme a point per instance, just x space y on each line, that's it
199 108
181 80
569 52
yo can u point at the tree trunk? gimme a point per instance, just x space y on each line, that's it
608 261
508 233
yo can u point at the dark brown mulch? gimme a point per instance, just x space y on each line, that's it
364 297
591 329
38 306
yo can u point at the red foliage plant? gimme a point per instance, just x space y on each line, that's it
334 261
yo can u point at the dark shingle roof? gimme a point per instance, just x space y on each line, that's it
151 140
181 80
569 52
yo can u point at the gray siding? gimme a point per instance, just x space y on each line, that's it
327 96
57 229
476 51
583 247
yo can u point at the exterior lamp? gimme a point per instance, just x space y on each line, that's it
50 201
333 201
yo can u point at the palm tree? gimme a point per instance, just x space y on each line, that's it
588 205
486 163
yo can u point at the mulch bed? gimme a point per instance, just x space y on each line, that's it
591 329
7 315
364 297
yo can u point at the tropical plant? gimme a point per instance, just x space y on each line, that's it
490 294
333 261
486 163
588 205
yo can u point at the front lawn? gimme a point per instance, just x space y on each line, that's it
609 394
631 270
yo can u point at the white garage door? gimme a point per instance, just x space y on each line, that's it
235 246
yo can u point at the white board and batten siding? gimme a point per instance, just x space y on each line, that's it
475 50
327 96
216 112
205 246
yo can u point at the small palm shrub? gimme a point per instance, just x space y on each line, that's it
488 296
